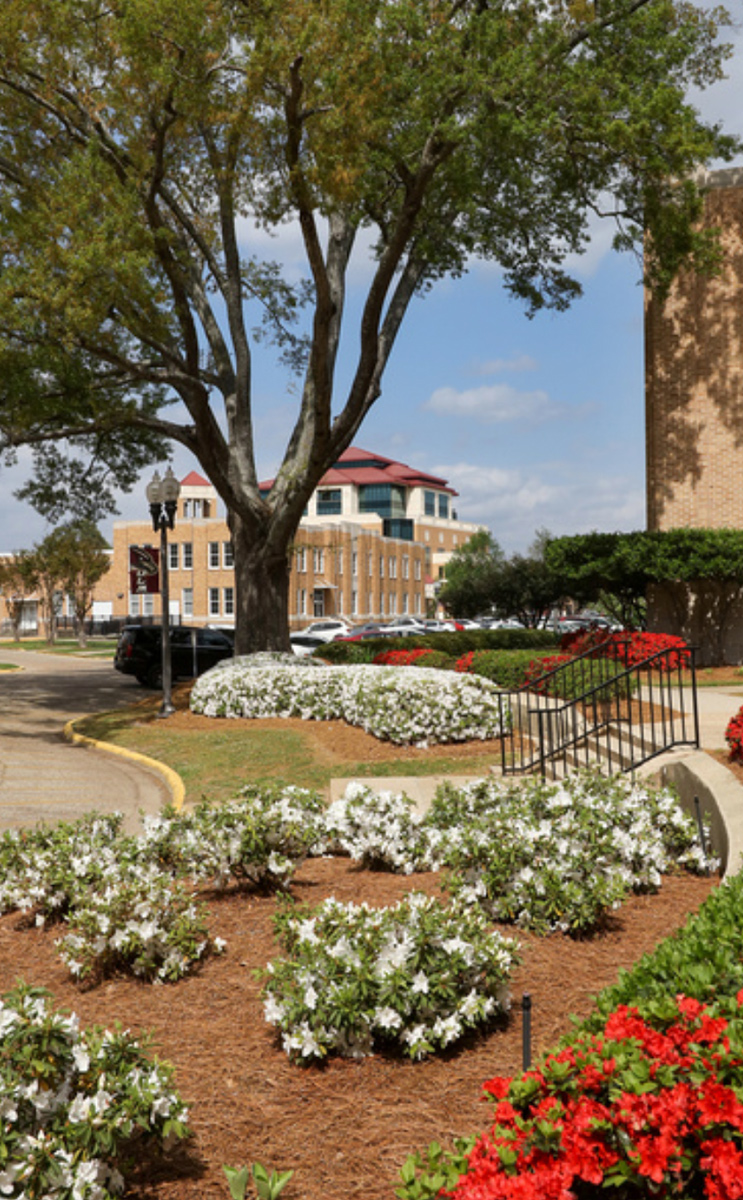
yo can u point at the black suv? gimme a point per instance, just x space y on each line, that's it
192 651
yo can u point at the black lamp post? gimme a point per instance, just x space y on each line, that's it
162 497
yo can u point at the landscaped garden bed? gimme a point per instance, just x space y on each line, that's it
345 1127
426 975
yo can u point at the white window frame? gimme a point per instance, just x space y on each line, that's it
187 556
214 609
213 556
187 602
173 553
228 556
228 601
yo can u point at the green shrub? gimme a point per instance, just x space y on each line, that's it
453 645
703 960
507 668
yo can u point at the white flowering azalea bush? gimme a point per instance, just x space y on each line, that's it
44 869
142 922
75 1102
559 856
257 839
383 830
130 903
416 976
548 856
392 703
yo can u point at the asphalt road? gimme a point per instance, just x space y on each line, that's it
43 776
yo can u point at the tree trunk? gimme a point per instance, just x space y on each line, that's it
261 592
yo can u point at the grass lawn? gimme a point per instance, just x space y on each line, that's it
96 647
215 757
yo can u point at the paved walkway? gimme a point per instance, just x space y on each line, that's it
45 777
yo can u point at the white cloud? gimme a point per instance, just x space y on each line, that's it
515 502
495 403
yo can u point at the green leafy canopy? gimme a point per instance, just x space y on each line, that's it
142 143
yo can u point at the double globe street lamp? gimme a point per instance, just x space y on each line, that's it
162 497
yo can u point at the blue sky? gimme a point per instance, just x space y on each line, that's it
538 424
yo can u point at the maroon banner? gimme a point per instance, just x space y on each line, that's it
144 570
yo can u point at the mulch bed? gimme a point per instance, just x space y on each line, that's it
345 1128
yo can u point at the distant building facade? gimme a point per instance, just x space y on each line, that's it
694 382
694 424
373 544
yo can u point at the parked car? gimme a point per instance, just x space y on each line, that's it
439 626
327 629
303 643
192 651
400 626
357 633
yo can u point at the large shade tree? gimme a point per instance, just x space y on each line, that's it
143 142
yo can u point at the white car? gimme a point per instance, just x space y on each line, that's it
304 643
404 625
327 630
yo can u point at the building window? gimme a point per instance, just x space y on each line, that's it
417 602
381 566
228 556
429 504
213 555
381 604
302 602
384 499
339 604
339 562
133 604
148 605
405 602
355 563
354 603
301 559
329 502
173 556
318 602
370 565
318 562
443 504
417 569
187 602
229 601
405 567
213 602
187 556
393 567
393 604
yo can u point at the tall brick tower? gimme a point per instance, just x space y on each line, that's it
694 382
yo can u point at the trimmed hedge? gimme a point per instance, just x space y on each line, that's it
452 644
704 960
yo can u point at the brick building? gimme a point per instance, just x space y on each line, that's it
373 544
694 382
694 424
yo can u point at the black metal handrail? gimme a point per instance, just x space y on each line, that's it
615 718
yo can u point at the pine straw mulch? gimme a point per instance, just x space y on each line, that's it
346 1127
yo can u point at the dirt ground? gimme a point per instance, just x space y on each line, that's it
344 1128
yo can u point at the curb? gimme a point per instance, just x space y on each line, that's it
696 775
170 777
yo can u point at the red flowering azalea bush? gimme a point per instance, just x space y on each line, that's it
645 1108
734 737
629 648
401 658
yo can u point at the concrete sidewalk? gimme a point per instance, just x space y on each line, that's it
45 777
